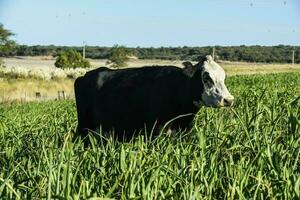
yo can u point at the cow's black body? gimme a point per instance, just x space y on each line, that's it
127 101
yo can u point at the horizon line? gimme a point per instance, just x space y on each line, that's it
179 46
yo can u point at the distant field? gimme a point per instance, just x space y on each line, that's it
232 68
48 62
25 89
239 68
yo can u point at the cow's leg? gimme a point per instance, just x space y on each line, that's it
182 124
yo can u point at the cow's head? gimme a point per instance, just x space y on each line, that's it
208 80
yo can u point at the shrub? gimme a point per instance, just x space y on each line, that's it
58 74
119 56
39 74
4 71
71 59
75 73
20 72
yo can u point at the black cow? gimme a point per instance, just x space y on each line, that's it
126 101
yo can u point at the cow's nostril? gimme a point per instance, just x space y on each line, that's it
228 101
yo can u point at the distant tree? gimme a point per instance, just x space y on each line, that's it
6 44
71 59
256 53
119 56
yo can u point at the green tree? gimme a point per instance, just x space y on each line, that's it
6 44
119 56
71 59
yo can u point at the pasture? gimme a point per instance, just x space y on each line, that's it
249 151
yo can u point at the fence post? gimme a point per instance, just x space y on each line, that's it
37 95
61 94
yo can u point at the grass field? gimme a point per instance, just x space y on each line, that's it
249 151
23 90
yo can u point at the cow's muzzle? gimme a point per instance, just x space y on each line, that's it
227 101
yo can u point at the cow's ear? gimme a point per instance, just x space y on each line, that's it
209 58
203 59
189 68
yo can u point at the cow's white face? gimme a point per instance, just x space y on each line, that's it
215 92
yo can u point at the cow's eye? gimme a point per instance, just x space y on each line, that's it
207 80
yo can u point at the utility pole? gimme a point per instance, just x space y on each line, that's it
293 56
83 50
213 53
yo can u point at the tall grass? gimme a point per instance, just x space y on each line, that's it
23 90
46 74
250 151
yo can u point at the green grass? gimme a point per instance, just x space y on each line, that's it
250 151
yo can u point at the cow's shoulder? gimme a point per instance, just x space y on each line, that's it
95 72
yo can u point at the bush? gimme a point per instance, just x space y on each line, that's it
71 59
58 74
4 71
118 56
41 73
75 73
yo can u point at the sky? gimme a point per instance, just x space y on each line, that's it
152 23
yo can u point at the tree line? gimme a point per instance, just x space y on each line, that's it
266 54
